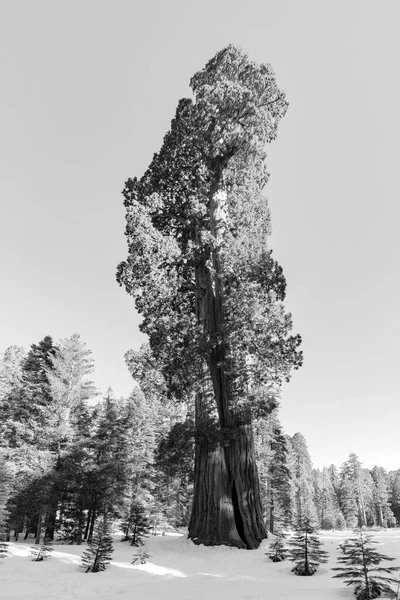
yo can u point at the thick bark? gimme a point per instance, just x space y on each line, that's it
227 503
227 507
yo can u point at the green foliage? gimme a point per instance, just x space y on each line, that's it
305 550
141 557
98 555
362 570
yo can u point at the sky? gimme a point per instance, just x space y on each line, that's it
88 90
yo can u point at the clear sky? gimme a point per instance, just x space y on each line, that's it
88 90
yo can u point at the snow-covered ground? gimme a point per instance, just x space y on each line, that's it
177 569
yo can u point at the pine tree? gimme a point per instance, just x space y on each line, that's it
362 570
356 494
135 525
25 411
325 499
141 556
277 550
306 550
98 555
383 516
42 551
394 493
303 481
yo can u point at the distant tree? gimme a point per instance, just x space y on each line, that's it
135 525
357 494
25 410
305 550
383 515
303 481
174 461
11 362
394 493
340 522
271 449
100 548
325 499
362 570
206 284
6 490
68 378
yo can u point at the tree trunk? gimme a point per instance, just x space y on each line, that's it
39 527
79 534
226 500
227 508
271 512
88 520
91 527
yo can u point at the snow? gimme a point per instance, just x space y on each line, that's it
177 569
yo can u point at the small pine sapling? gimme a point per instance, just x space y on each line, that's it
277 550
100 549
306 550
136 525
41 551
141 556
362 568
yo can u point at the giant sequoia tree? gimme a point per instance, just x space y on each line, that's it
206 284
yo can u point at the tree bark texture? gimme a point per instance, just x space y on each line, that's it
227 508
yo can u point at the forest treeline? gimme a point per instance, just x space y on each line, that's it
68 459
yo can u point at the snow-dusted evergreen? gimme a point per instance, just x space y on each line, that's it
362 569
278 550
141 557
305 549
41 551
98 555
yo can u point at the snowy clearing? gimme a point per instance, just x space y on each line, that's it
177 569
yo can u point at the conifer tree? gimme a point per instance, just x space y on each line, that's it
278 551
206 284
100 548
362 570
356 493
135 525
11 361
383 516
325 499
42 551
305 550
303 481
141 556
26 410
